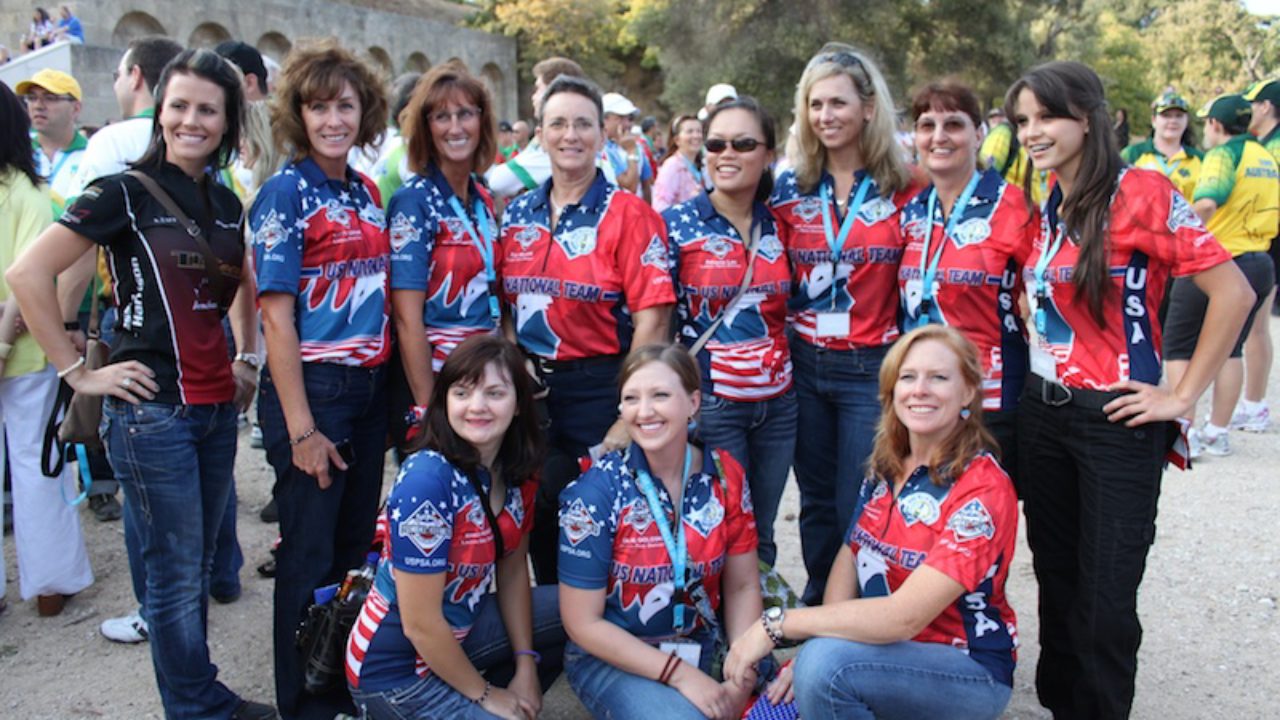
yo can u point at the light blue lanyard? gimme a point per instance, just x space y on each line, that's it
694 171
836 242
1041 270
677 548
928 273
483 242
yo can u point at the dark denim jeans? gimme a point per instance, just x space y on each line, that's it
324 533
839 406
762 437
175 463
489 649
1090 493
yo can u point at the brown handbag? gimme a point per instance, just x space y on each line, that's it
84 412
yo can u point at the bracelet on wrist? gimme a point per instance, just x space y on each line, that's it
484 695
249 359
71 326
79 363
669 669
6 348
294 442
537 657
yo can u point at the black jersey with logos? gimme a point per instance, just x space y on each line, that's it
170 317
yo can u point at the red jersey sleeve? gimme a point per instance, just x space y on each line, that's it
981 515
740 517
528 494
642 256
1164 225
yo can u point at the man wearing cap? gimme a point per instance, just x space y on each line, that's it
1238 195
507 146
716 94
53 104
249 60
1001 151
620 143
1170 148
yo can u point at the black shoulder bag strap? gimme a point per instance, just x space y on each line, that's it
500 547
51 463
212 266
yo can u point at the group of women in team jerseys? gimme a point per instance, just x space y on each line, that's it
790 294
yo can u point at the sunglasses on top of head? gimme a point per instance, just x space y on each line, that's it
742 145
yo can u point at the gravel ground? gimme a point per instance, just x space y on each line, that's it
1208 605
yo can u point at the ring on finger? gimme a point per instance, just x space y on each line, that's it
125 383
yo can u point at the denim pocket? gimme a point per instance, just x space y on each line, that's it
713 403
324 387
149 418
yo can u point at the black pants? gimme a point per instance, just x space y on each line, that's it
1090 490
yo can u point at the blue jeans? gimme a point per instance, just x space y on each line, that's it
610 692
852 680
324 533
489 649
839 406
175 463
762 437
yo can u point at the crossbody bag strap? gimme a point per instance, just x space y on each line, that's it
499 548
212 266
742 290
94 331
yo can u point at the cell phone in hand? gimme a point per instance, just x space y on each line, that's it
346 451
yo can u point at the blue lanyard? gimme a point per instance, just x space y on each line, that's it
836 242
693 170
677 548
483 242
927 274
1041 270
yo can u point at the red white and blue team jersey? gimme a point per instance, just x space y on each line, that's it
431 251
978 278
608 540
864 279
747 356
1153 233
572 292
325 241
435 524
967 530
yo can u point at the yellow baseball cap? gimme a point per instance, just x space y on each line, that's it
54 81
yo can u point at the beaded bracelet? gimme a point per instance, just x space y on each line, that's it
484 695
298 440
62 374
537 658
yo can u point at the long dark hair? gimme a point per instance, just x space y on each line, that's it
206 65
15 137
1072 90
767 127
522 451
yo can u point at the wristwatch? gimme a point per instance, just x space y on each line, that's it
772 619
249 359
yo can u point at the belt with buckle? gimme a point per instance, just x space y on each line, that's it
1055 394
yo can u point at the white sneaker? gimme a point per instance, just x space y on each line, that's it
1218 444
128 629
1195 446
1251 422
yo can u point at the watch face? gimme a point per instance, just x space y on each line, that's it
773 613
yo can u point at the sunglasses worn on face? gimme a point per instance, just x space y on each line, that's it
742 145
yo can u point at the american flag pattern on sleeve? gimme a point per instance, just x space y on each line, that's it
325 241
608 539
747 356
862 281
435 524
967 530
572 292
1153 233
979 279
432 251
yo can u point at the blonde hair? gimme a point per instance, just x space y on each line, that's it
260 147
876 142
971 437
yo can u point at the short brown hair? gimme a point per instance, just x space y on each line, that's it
316 71
553 67
971 437
430 94
672 355
949 95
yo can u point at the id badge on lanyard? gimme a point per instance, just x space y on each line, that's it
1043 361
686 650
675 542
835 323
929 266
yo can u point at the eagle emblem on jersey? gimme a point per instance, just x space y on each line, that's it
708 517
655 255
403 231
271 231
426 528
637 515
971 231
337 213
578 523
972 521
527 236
1181 214
919 507
770 247
876 210
808 209
577 242
717 245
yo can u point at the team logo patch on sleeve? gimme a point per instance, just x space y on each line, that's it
577 242
578 523
971 521
708 517
426 528
403 231
271 231
919 507
1181 214
655 255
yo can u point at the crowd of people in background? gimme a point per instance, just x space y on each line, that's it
597 346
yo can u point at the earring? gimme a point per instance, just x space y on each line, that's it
619 408
965 413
